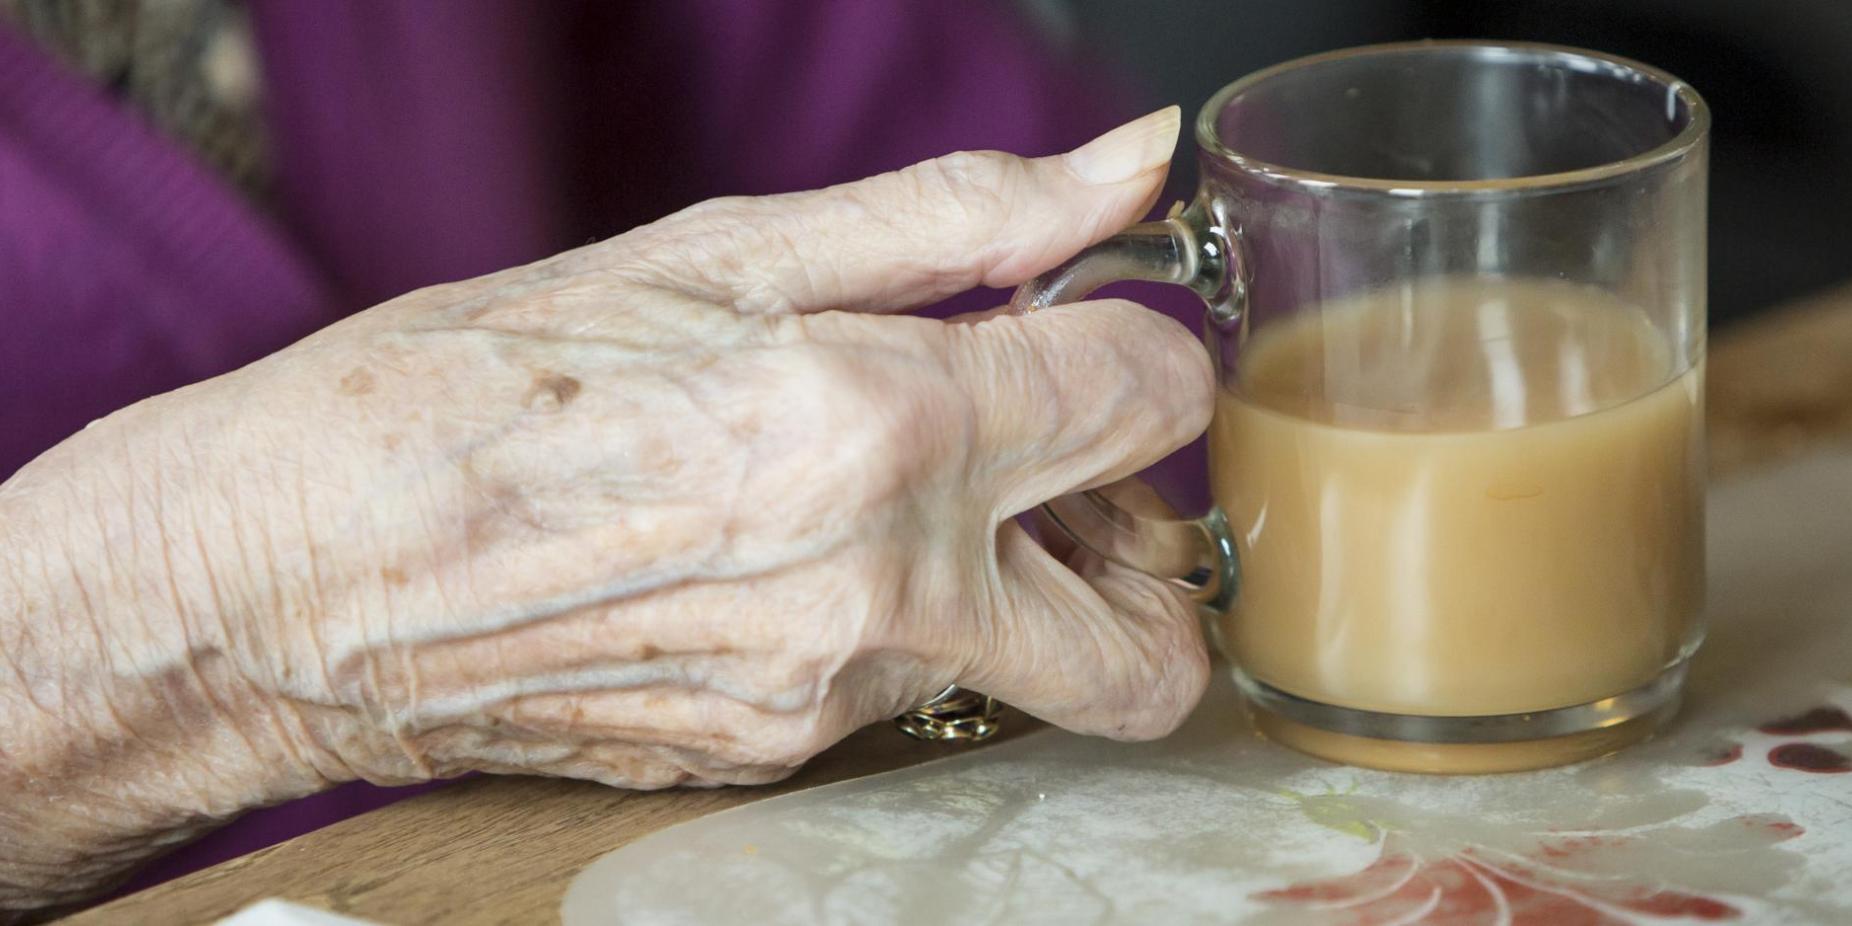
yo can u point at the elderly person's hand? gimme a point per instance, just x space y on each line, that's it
680 507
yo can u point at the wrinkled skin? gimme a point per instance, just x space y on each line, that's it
678 507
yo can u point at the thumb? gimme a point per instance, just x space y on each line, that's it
909 237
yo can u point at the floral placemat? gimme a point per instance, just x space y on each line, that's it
1741 811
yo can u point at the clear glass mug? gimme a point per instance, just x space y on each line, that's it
1456 303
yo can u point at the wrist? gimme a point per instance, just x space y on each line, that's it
124 727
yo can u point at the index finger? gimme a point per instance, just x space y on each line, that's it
913 236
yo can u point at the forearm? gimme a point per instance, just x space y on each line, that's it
123 727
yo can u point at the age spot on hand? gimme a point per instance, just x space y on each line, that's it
552 392
358 381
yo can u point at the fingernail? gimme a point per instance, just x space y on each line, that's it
1139 146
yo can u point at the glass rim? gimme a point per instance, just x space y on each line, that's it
1687 139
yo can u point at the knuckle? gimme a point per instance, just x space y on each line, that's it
1158 353
699 219
1191 374
787 741
966 170
1183 674
1173 665
966 191
1172 706
792 680
697 248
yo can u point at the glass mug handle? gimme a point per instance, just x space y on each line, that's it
1187 249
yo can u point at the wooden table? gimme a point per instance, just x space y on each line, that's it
501 850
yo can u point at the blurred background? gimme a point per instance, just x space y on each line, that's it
1777 74
187 185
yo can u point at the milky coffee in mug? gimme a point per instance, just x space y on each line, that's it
1455 297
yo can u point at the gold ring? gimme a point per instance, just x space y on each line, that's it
952 714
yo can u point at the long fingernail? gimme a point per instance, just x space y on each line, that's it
1139 146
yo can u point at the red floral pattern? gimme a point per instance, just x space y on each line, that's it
1826 719
1810 757
1482 886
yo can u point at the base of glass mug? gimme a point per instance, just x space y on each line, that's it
1463 745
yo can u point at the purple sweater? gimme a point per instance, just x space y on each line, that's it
418 142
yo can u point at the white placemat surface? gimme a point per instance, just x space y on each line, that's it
1741 811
